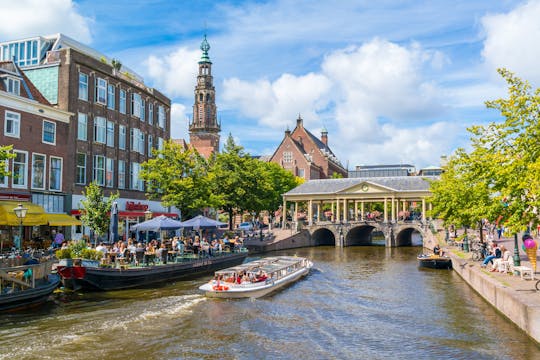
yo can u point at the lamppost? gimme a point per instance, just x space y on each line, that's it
517 260
147 216
20 212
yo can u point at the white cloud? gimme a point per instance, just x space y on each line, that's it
26 18
179 122
512 41
276 104
174 73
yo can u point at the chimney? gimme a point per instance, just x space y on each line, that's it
299 121
324 136
287 132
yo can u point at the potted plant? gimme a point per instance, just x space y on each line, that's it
64 257
90 257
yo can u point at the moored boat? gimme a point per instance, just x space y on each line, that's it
26 286
433 261
123 277
257 278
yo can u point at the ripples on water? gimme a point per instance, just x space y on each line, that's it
357 303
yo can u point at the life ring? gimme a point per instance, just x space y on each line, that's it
220 288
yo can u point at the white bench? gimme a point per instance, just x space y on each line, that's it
523 271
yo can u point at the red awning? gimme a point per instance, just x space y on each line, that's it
134 214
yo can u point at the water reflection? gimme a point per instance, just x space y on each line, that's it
358 303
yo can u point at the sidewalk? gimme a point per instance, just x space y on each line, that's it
514 297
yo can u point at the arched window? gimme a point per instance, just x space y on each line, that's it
207 97
201 97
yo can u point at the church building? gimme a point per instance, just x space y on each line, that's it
307 156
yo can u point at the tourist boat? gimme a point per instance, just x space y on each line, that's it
433 261
257 278
26 286
116 277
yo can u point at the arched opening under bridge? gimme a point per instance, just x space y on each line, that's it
359 236
323 237
409 237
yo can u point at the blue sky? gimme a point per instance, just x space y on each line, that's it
391 81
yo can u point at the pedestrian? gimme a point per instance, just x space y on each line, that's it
58 239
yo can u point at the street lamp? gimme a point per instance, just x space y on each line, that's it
147 216
20 212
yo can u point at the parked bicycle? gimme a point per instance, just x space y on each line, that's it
478 250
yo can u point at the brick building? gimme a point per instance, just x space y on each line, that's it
117 120
37 131
307 156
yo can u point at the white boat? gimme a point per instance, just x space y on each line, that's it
257 278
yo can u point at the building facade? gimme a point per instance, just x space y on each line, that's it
204 129
307 156
382 170
37 132
117 120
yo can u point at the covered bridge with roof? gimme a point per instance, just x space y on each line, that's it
350 218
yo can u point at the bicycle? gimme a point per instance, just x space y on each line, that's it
478 250
537 286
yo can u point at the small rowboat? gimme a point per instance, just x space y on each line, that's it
257 278
434 261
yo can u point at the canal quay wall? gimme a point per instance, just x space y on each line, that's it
283 241
512 296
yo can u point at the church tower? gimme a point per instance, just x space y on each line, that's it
204 129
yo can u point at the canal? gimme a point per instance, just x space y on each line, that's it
357 303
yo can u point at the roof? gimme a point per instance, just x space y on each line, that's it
332 186
389 166
28 89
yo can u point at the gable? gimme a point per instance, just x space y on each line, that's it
366 187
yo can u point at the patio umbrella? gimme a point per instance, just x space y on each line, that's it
113 227
158 223
201 222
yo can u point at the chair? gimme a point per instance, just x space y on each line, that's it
139 257
163 256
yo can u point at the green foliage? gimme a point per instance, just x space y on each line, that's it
91 254
117 65
500 176
179 178
336 175
77 248
6 153
63 254
95 209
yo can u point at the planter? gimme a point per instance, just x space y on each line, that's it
65 262
90 263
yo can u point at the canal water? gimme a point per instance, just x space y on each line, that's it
357 303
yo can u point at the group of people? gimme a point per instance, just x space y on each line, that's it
497 256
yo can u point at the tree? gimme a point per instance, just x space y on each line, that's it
281 181
95 209
6 153
178 177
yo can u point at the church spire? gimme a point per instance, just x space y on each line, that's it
205 46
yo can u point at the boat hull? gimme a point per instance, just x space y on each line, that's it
255 292
107 279
432 262
21 300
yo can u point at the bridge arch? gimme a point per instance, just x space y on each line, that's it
359 236
323 236
409 236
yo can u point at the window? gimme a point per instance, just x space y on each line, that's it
38 171
49 132
122 137
82 127
287 156
101 91
110 96
100 130
134 139
122 105
12 124
160 143
55 174
143 110
150 145
110 133
151 113
301 173
109 172
141 143
99 169
13 86
80 177
161 117
134 176
121 174
136 105
20 172
83 86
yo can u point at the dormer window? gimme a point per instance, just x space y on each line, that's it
13 86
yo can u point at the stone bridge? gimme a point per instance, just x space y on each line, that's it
361 233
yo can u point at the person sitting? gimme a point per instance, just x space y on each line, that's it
495 254
101 247
499 263
437 250
163 253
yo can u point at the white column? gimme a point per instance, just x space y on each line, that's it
393 210
385 211
338 215
333 217
283 212
345 210
295 219
310 212
318 211
423 210
356 209
362 210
